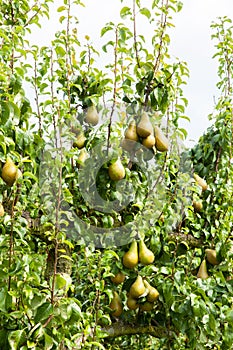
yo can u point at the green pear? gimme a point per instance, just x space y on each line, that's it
198 206
138 288
149 141
132 303
116 171
201 182
2 211
202 272
92 116
161 141
146 306
118 278
9 172
146 256
80 140
144 127
116 305
130 258
131 132
82 157
153 294
211 256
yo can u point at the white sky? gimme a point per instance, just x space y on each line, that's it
191 42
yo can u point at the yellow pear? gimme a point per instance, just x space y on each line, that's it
131 132
9 172
202 272
130 258
211 256
116 171
138 288
92 116
201 182
132 303
153 294
118 278
146 256
149 141
80 140
198 206
2 211
161 141
82 157
146 306
144 127
116 305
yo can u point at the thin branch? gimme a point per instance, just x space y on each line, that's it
135 34
119 329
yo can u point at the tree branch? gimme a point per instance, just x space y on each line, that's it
119 329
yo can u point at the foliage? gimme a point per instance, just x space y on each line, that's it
58 249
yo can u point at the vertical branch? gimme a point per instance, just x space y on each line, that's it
68 56
37 96
135 34
114 87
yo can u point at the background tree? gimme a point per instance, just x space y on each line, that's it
149 265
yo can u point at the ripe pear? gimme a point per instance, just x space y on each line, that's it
201 182
131 132
161 141
116 305
138 288
144 127
198 206
9 172
118 278
211 256
153 294
2 211
146 306
146 256
149 141
202 272
82 157
116 170
132 303
92 116
80 140
130 258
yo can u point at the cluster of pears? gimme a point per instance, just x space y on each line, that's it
139 289
134 255
211 257
80 143
10 172
197 204
150 136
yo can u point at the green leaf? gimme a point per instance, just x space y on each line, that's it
144 11
61 9
43 312
4 112
48 341
125 11
16 338
105 30
60 51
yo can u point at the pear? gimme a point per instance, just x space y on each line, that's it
9 172
2 211
153 294
146 256
130 258
138 288
80 140
116 170
211 256
146 306
201 182
197 205
82 157
202 272
161 141
131 132
144 127
92 116
149 141
132 303
116 305
118 278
